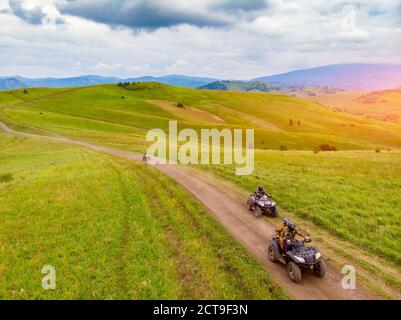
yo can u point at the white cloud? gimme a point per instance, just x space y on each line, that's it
250 42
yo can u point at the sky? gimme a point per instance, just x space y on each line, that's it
226 39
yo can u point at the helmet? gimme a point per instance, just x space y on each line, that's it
286 220
291 226
260 188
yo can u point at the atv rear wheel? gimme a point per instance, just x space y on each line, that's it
320 269
275 212
294 272
272 253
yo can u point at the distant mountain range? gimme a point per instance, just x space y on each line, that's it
243 86
353 77
15 82
11 83
262 86
21 82
176 80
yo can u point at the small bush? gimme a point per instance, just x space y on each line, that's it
327 147
180 105
283 148
6 177
124 84
122 97
291 122
25 91
377 150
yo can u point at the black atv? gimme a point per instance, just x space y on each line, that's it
298 258
264 205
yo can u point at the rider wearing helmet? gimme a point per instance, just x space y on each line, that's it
290 233
282 226
260 192
146 157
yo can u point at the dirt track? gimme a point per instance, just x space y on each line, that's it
253 233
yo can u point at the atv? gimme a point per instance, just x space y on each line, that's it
297 258
263 205
146 158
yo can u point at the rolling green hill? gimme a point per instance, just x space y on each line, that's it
111 114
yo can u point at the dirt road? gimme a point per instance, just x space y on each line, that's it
231 212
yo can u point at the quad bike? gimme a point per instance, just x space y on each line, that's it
145 158
263 205
297 258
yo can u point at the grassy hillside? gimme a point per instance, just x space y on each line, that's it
382 105
354 195
116 115
113 230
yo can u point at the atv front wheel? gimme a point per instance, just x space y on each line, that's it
258 212
320 269
294 272
272 253
249 205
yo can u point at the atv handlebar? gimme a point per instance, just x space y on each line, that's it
305 240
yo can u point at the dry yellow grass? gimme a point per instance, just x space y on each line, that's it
380 105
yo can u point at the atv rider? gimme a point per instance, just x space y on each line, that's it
257 196
282 226
260 192
289 233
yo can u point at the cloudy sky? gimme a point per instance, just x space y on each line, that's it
228 39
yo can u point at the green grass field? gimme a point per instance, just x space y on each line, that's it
113 230
352 194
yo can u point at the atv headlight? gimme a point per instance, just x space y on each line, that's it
300 259
318 255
